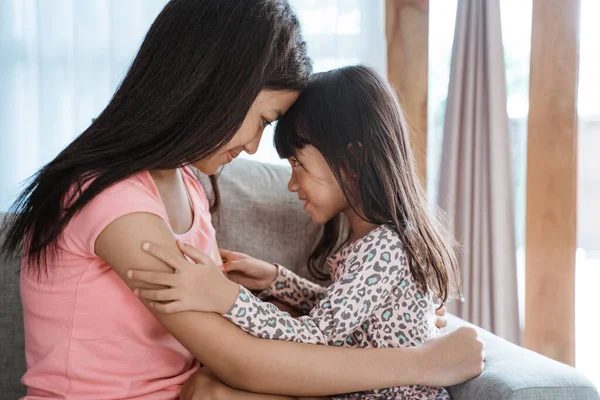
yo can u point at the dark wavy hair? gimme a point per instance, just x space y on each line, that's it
187 92
354 119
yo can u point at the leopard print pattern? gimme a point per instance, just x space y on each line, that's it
294 291
373 302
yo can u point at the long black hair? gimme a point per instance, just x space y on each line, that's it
354 119
188 90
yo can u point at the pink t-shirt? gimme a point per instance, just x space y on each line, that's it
86 334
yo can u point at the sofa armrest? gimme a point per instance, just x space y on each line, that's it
515 373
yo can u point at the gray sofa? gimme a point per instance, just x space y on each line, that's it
261 218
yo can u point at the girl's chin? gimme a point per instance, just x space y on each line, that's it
316 218
319 218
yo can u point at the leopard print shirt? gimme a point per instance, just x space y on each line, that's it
293 290
373 302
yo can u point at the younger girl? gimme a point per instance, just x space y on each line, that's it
347 143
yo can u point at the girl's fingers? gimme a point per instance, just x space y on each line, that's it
154 277
231 266
157 295
440 322
226 254
170 258
441 311
440 318
194 254
168 308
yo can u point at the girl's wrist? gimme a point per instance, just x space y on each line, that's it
229 296
273 275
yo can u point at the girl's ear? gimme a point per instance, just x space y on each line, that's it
353 146
355 150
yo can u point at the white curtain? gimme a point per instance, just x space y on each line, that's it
61 61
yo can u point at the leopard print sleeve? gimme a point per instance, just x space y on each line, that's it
363 283
294 290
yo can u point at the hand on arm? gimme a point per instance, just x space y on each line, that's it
332 321
238 359
249 272
215 294
253 274
251 364
275 280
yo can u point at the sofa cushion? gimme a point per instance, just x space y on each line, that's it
514 373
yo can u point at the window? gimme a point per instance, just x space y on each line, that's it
516 38
441 36
516 34
61 62
587 268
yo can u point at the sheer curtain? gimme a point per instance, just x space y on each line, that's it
475 187
61 61
516 35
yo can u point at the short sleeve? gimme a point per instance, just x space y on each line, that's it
135 194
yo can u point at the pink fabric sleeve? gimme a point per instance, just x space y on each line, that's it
132 195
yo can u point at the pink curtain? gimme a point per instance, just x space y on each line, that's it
475 180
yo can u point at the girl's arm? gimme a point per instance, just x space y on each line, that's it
273 280
362 285
294 290
283 286
278 367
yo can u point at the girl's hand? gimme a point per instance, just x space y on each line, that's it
194 286
250 272
440 317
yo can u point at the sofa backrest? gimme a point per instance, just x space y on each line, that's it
260 217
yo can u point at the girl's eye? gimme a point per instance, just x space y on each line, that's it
266 122
295 163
